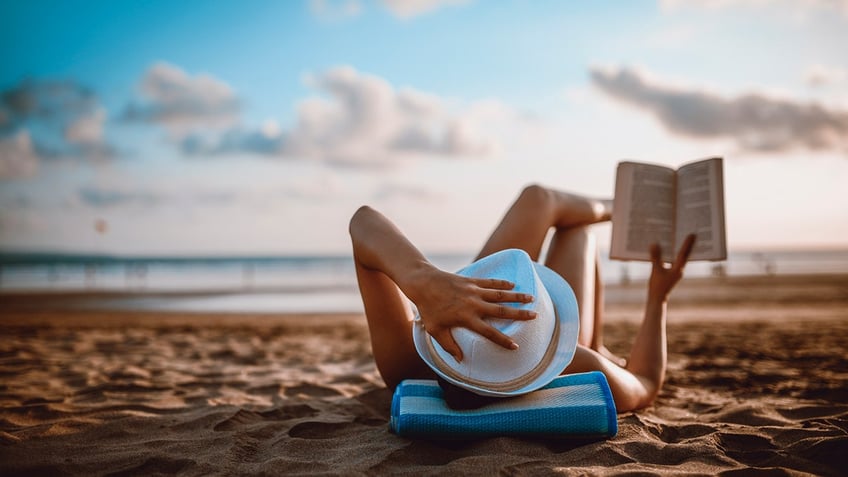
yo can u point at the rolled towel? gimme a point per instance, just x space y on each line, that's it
571 406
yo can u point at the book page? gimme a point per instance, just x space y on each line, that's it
643 211
700 208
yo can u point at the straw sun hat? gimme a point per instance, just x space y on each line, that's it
546 343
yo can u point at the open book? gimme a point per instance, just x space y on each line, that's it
659 204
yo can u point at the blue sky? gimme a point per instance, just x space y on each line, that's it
258 127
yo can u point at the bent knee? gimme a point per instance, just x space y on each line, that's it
535 196
362 212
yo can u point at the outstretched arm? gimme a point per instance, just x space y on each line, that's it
444 300
648 357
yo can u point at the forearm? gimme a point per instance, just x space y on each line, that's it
379 245
648 356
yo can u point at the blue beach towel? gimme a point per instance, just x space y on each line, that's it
572 406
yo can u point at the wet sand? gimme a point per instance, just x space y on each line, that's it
757 380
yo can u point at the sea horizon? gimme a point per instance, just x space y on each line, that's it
303 283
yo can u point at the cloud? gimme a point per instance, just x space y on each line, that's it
183 103
393 192
413 8
755 121
267 141
841 5
59 118
51 101
335 10
17 157
821 75
86 130
359 120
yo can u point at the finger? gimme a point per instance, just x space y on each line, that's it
492 334
445 339
685 251
493 283
501 296
656 253
508 312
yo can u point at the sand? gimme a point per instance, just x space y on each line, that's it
757 383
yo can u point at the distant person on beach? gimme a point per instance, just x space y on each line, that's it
390 269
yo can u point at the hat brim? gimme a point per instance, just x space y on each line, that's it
565 303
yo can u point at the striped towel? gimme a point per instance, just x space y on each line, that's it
572 406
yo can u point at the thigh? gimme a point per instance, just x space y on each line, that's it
389 316
525 225
573 254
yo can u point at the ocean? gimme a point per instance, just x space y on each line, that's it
301 283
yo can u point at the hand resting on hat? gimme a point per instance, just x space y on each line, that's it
446 300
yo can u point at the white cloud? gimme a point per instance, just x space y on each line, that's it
183 103
335 9
413 8
821 75
17 157
756 122
58 118
840 5
87 130
362 120
391 192
366 119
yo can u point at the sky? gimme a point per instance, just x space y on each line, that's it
250 128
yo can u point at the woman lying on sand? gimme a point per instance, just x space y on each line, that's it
390 269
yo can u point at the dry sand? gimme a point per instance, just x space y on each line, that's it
758 383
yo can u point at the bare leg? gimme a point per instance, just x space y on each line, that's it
537 209
389 316
598 326
573 254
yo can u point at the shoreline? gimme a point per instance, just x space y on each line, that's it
695 291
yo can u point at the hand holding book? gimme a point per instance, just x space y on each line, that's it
657 204
664 278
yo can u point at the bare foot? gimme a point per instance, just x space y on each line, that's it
607 203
